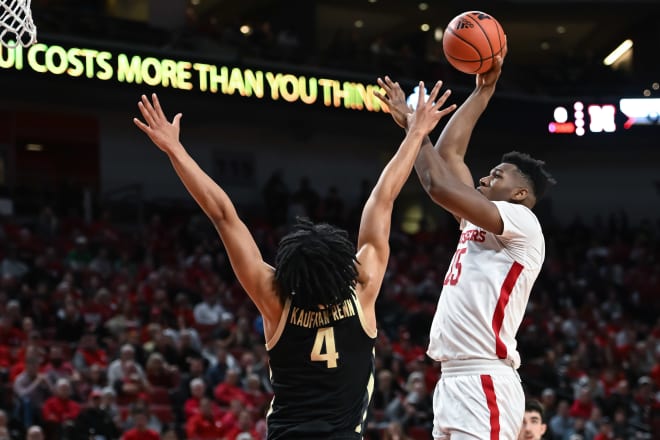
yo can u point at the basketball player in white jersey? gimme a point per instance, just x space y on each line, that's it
488 282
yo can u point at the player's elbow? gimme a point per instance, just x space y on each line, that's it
432 185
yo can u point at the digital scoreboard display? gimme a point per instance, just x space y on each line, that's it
582 118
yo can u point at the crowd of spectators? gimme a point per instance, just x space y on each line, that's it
112 330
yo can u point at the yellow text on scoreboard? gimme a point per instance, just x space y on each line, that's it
127 68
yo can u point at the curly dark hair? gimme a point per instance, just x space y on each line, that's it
533 169
316 263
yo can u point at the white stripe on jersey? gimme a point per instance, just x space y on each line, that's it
486 289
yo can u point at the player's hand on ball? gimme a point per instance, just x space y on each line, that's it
489 78
163 133
395 100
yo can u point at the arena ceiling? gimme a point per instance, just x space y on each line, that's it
542 34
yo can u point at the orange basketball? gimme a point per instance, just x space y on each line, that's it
472 40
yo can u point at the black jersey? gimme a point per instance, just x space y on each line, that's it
322 372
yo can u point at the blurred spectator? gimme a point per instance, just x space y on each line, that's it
244 428
230 389
70 323
88 353
142 407
11 267
256 398
161 374
242 336
198 391
223 361
95 421
583 404
31 389
386 391
187 349
58 367
126 376
416 407
205 424
59 412
561 423
35 433
139 419
209 311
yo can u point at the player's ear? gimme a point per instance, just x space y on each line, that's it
520 194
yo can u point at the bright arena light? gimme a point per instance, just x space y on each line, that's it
618 52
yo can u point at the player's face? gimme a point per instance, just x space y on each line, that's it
533 427
502 183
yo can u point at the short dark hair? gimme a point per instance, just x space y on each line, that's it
533 169
533 405
316 263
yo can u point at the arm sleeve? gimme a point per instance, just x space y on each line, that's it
522 235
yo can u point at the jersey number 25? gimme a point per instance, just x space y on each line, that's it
454 272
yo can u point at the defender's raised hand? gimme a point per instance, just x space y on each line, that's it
395 100
163 133
429 111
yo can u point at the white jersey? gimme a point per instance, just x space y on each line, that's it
486 289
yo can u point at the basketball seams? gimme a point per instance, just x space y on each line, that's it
483 31
500 34
480 61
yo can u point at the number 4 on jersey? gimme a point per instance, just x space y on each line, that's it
325 336
454 271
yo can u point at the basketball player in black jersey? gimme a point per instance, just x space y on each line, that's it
318 302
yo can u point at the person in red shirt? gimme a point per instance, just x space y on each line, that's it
193 403
140 431
89 353
256 397
245 425
59 411
206 423
230 389
583 403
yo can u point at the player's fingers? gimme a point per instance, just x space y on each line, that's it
434 92
389 81
385 86
141 125
157 107
443 98
144 109
445 111
420 95
149 109
177 119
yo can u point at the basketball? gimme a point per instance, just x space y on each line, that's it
472 40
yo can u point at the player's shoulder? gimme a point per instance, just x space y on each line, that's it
519 219
516 209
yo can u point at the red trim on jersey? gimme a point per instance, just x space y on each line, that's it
491 400
498 315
